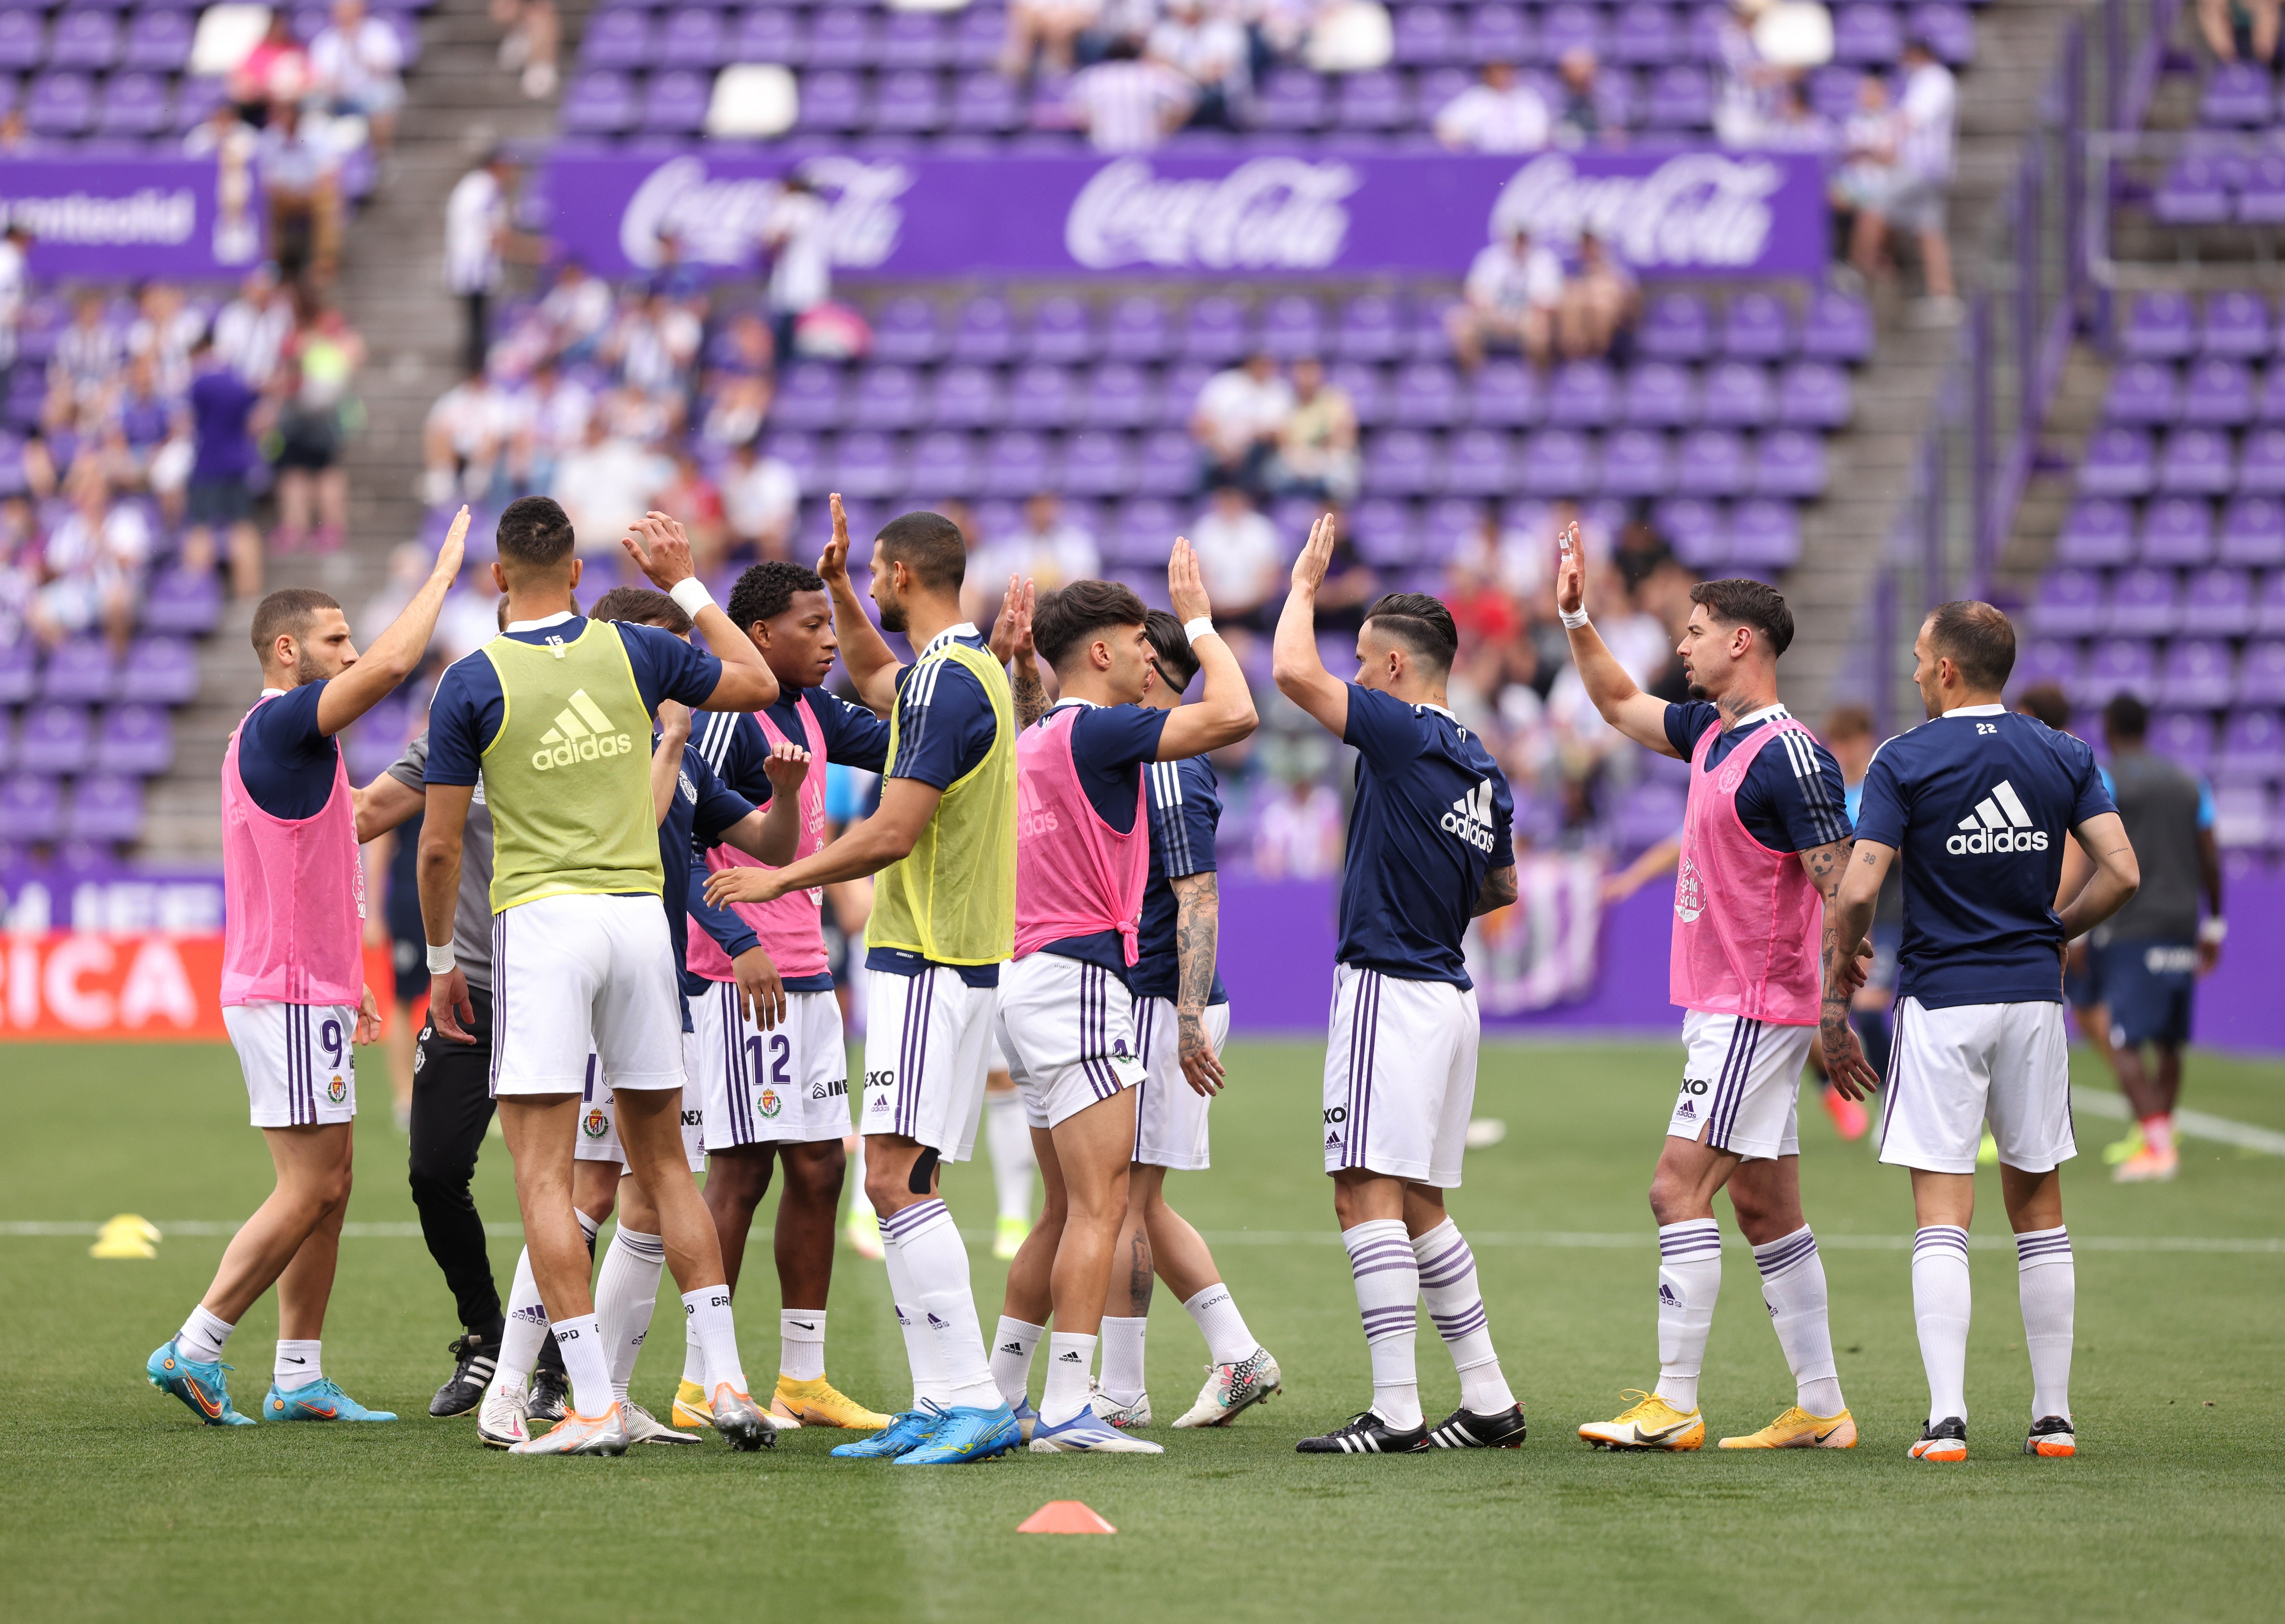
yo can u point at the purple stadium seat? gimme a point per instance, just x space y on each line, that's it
1839 328
1292 327
1790 463
1095 464
809 397
1498 32
23 42
1371 329
18 671
1292 99
2219 392
800 451
2197 460
1506 395
2253 531
1675 327
2236 327
1062 329
676 102
2069 603
105 809
1696 529
2118 665
84 39
160 671
1016 463
2261 200
1764 536
134 105
1735 394
599 103
620 39
967 396
1119 396
2045 662
1479 464
2144 602
944 462
158 41
1179 390
1758 327
906 331
1137 330
60 104
1584 394
865 464
2159 327
910 102
1430 339
135 739
1374 100
1634 463
2237 93
31 808
1571 26
1042 395
1385 532
2195 675
2098 532
1815 395
2119 461
178 600
833 100
1712 462
2220 603
693 37
2183 737
81 671
985 103
1866 35
1169 464
2197 190
768 35
195 101
1661 395
2261 674
977 39
1681 98
55 739
1400 462
842 36
914 39
1645 33
1366 392
2252 748
2142 392
2246 817
888 397
2261 471
986 332
1427 395
1215 332
2177 530
1558 462
1426 36
1949 30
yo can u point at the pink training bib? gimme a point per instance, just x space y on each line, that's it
1075 874
295 895
788 928
1747 921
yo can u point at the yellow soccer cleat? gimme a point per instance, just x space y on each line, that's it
1652 1423
690 1405
1008 1239
1797 1429
818 1403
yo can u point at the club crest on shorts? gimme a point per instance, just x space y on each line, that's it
769 1102
595 1123
337 1090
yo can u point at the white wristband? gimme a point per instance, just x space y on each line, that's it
2213 931
1572 619
441 962
691 594
1203 627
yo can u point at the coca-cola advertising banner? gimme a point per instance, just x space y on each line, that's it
132 217
1711 214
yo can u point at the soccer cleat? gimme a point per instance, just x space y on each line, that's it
203 1388
690 1405
818 1403
318 1401
1134 1414
2052 1437
643 1427
1464 1429
740 1421
864 1235
1027 1419
1366 1434
1231 1388
970 1432
1987 1150
1944 1440
2147 1167
1089 1433
1651 1423
1797 1429
471 1376
1849 1116
1007 1240
550 1391
579 1434
500 1420
905 1431
2123 1150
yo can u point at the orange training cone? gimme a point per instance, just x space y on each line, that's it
1065 1516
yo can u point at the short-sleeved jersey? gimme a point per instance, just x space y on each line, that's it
1433 816
1791 799
285 762
736 748
703 807
1109 745
1977 804
1185 807
2166 811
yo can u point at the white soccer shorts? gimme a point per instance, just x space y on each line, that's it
1740 1085
298 1067
574 976
1068 1028
924 1058
1400 1076
1952 1070
599 1121
787 1086
1170 1115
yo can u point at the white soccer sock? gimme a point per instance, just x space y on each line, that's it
201 1337
936 1262
1793 1285
524 1331
581 1342
1387 1279
1122 1358
800 1343
708 1309
1940 1308
1215 1312
859 1203
1071 1355
1013 1160
1456 1306
1011 1358
929 1385
626 1295
694 1355
1688 1281
297 1365
2047 1279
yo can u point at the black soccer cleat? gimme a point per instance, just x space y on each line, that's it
2054 1437
470 1377
1366 1434
1464 1429
549 1390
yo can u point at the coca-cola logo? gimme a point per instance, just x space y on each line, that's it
1268 213
718 219
1697 209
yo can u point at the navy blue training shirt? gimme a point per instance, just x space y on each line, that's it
1109 745
1185 806
1793 799
703 806
1977 804
1433 816
285 762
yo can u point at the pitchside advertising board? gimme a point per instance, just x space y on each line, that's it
117 219
1670 214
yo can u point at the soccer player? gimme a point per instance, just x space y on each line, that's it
293 991
582 961
942 846
1429 849
1764 832
1977 801
1015 1165
781 1095
2082 965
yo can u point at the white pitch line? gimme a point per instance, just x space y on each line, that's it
2191 1123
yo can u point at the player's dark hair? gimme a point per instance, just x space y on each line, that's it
2126 717
1421 623
1978 639
286 613
1750 603
2047 703
534 531
765 592
929 545
642 607
1064 620
1178 662
1848 722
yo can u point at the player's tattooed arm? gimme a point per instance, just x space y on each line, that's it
1011 646
1197 930
1031 692
1497 890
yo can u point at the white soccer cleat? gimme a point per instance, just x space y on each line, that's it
579 1434
500 1422
1138 1413
1232 1388
645 1428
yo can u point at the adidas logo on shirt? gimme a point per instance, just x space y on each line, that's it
1471 817
2001 824
582 732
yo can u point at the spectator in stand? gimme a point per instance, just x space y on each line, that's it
1350 584
475 237
321 362
224 410
1127 103
357 63
606 484
1748 98
88 354
2237 30
231 144
1578 115
1239 557
1600 300
1866 177
760 497
15 284
1511 298
1298 834
19 568
275 73
165 330
697 500
653 346
1048 549
1046 31
1317 448
1798 127
576 313
149 437
93 564
741 382
530 44
551 418
251 332
466 440
1499 114
1915 202
1209 51
301 181
797 236
16 138
1240 416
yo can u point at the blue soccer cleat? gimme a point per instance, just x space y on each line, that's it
968 1434
319 1400
1026 1418
1088 1433
907 1431
203 1387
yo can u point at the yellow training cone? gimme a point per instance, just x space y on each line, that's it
126 1236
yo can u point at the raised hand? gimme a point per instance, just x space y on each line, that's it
833 564
1316 558
1186 585
660 550
1011 633
1570 570
455 547
787 766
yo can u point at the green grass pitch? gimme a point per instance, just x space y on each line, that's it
114 1505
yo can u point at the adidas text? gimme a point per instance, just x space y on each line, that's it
2001 824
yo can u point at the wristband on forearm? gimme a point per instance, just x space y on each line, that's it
441 962
690 592
1572 619
1202 626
